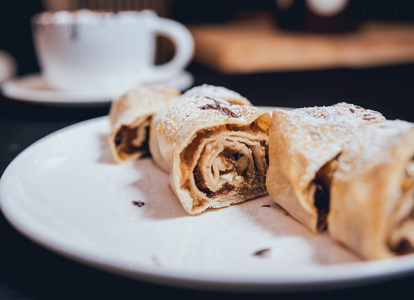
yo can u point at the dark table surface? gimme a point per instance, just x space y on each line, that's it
29 271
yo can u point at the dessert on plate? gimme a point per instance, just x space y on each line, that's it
304 145
218 151
130 116
216 92
372 193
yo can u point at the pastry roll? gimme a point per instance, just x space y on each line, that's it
130 117
216 92
218 152
304 145
372 193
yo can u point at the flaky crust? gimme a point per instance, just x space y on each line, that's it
193 136
372 193
302 142
130 115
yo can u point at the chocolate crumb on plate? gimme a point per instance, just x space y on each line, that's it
138 203
262 253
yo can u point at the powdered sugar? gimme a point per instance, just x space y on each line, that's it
216 92
140 102
330 123
373 144
190 114
342 118
319 134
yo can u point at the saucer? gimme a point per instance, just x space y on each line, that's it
33 88
7 66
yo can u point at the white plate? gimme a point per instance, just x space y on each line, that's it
33 88
66 193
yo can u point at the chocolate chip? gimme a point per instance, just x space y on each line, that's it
138 203
217 106
404 247
123 131
265 205
262 253
118 139
368 117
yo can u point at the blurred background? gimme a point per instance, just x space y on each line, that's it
276 52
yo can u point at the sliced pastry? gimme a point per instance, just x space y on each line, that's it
214 92
303 150
130 116
218 152
372 193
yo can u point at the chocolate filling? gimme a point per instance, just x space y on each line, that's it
322 204
200 183
255 186
118 139
404 247
323 183
124 137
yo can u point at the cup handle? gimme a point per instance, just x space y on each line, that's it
183 43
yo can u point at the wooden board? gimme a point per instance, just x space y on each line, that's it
255 44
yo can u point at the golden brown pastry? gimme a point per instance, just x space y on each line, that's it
216 92
304 145
130 117
217 152
372 193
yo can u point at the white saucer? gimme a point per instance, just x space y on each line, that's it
33 88
7 65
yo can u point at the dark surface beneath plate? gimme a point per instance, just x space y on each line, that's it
29 271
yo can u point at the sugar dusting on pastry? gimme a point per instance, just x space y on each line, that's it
373 144
189 111
325 128
130 116
217 92
342 118
218 151
139 101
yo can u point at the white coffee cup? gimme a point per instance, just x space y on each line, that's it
92 50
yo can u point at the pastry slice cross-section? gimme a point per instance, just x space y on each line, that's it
218 152
205 90
130 116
